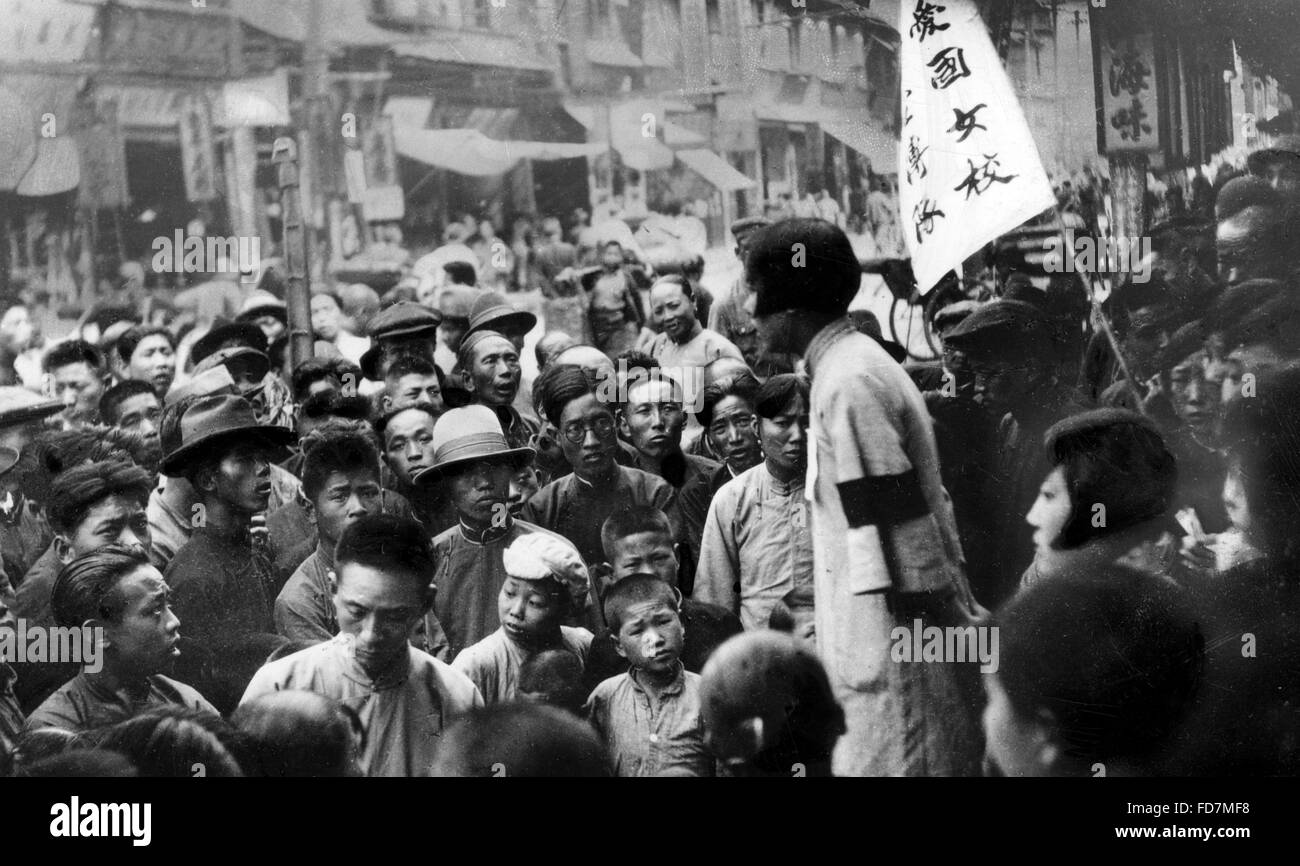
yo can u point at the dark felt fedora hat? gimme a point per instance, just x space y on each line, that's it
467 434
492 312
213 420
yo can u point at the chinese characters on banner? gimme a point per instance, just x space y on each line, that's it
968 167
197 153
1130 106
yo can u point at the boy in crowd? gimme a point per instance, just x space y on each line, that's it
472 468
75 373
757 544
546 583
649 717
404 697
133 406
638 541
412 379
340 485
577 504
117 590
222 578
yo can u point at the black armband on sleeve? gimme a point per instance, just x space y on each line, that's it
883 500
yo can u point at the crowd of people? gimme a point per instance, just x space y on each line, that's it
701 540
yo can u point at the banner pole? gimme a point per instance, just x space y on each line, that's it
1098 314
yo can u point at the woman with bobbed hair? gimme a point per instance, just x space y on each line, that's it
1106 498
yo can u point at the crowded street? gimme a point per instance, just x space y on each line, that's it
632 388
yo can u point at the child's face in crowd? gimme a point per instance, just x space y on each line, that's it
243 479
651 636
408 443
523 484
650 553
325 317
529 612
345 498
144 639
479 490
611 256
1196 399
378 609
1019 747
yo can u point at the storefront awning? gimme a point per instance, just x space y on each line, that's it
470 152
715 170
57 168
626 128
255 101
477 49
410 111
676 135
613 53
880 149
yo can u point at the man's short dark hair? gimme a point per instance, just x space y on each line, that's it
382 422
528 739
315 370
117 395
73 352
336 447
633 520
333 404
296 733
742 385
391 544
413 365
131 340
803 264
634 590
461 273
87 587
79 489
559 386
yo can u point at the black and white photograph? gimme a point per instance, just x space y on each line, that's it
740 389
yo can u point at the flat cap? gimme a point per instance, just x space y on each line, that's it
404 319
1003 328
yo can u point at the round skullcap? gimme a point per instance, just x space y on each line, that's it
538 556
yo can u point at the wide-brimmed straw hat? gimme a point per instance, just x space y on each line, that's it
465 435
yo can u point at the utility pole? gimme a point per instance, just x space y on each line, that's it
319 126
297 293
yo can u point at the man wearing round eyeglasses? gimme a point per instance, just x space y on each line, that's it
576 505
